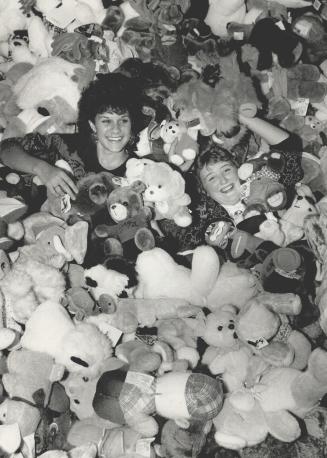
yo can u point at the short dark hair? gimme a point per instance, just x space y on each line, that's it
111 92
212 155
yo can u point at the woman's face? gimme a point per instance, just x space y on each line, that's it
113 130
221 182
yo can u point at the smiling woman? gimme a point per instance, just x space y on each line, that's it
110 117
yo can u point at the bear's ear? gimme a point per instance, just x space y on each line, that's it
138 186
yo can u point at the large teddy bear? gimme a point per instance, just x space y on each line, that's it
206 284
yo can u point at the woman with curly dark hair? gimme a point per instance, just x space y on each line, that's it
110 118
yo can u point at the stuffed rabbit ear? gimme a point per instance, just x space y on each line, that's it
33 225
76 240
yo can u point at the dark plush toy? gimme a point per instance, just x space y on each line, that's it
155 32
156 80
311 29
93 191
130 233
262 191
85 46
268 38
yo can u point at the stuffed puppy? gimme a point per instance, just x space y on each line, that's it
80 390
28 384
131 223
165 189
263 325
133 397
80 348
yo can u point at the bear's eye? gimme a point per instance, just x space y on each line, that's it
125 204
159 186
231 326
220 328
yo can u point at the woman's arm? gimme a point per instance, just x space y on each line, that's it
13 155
268 132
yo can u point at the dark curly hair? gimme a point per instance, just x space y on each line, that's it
111 92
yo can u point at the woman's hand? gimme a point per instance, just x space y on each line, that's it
57 181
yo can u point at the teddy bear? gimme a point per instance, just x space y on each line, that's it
272 404
129 234
165 190
28 385
178 144
225 354
80 348
132 398
263 325
135 169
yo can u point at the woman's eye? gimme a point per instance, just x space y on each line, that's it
211 178
125 120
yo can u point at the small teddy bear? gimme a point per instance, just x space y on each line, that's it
178 144
226 354
165 189
130 233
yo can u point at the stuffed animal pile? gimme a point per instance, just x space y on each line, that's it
116 341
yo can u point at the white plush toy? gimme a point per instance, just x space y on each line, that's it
80 348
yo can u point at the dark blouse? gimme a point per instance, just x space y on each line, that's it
206 211
78 151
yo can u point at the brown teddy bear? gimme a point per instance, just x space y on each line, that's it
129 234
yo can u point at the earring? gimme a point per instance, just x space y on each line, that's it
94 136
